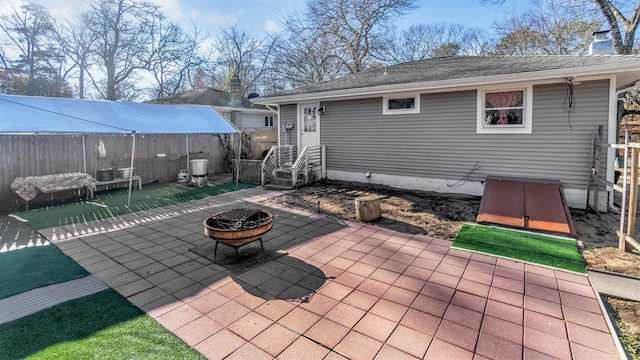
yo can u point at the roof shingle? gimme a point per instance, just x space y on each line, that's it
461 67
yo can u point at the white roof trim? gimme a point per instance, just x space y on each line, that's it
244 110
452 85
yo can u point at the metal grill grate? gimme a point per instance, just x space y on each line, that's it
239 214
239 219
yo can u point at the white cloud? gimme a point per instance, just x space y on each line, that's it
224 20
5 6
271 27
57 8
171 9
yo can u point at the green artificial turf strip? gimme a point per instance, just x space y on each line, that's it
151 196
100 326
535 248
33 267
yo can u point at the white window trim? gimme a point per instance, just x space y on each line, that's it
525 128
387 111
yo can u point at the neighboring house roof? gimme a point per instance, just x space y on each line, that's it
213 97
459 71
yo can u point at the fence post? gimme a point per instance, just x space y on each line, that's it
596 190
633 199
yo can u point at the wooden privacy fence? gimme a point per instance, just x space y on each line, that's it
158 157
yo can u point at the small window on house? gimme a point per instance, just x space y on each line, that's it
505 111
268 121
401 104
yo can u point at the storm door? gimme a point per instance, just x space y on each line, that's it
309 126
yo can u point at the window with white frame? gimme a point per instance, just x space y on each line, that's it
268 121
401 104
505 111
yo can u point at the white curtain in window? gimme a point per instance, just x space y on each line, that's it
504 99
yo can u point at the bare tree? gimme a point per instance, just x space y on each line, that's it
479 42
550 28
425 41
241 54
177 54
357 25
622 43
124 31
303 55
203 75
76 40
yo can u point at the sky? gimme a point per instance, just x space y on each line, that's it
260 16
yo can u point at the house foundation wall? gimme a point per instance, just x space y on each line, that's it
576 198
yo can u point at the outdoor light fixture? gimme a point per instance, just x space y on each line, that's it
367 174
571 80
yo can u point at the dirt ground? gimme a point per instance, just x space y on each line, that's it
442 215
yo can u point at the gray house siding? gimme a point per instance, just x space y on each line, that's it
441 142
288 113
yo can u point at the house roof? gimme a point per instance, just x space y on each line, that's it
458 71
209 96
30 114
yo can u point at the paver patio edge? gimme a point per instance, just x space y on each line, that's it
612 329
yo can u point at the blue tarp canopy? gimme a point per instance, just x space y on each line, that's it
30 114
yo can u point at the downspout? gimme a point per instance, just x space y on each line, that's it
612 137
269 106
238 158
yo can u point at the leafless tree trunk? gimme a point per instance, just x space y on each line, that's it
425 41
77 40
177 54
242 55
303 55
549 28
124 31
357 25
622 43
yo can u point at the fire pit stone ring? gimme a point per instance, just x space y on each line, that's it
238 227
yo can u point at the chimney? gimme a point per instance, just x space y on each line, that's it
236 91
601 44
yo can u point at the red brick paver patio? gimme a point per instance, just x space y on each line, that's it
338 289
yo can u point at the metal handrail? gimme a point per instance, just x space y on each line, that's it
301 162
275 158
309 158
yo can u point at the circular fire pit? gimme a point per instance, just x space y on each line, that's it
238 227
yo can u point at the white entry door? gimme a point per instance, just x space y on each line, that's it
309 126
